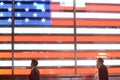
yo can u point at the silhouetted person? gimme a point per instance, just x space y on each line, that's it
34 75
102 73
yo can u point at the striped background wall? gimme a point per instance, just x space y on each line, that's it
44 30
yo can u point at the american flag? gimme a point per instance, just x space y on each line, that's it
44 30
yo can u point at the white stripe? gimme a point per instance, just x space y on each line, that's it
62 15
22 30
113 62
103 1
98 31
58 63
5 30
92 1
98 15
98 46
46 63
44 46
5 46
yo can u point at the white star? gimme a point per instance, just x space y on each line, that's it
43 20
18 14
26 20
18 4
9 9
35 15
26 9
9 20
35 4
43 10
1 3
1 14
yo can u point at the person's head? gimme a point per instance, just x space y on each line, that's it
99 62
34 63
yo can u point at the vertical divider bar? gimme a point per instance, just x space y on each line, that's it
12 39
75 42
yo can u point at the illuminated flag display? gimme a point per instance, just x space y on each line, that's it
45 30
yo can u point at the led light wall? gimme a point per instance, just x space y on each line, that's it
65 36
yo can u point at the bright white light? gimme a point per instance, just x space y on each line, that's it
43 10
44 46
5 30
5 63
9 9
113 62
93 1
43 20
103 1
98 46
98 31
18 14
58 63
9 20
1 3
5 46
62 14
1 14
45 63
35 4
26 20
44 30
98 15
26 9
35 15
18 4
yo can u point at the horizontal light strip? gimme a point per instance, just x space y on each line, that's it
47 63
62 15
44 46
30 55
98 46
47 38
5 46
89 71
59 55
113 62
58 63
5 31
44 30
62 22
22 71
101 7
95 54
97 23
103 1
98 31
5 38
87 7
91 1
98 15
98 38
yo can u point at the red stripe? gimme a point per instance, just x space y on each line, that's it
57 54
5 38
96 22
98 38
63 22
57 71
44 38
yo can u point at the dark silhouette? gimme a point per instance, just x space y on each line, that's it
102 70
34 75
